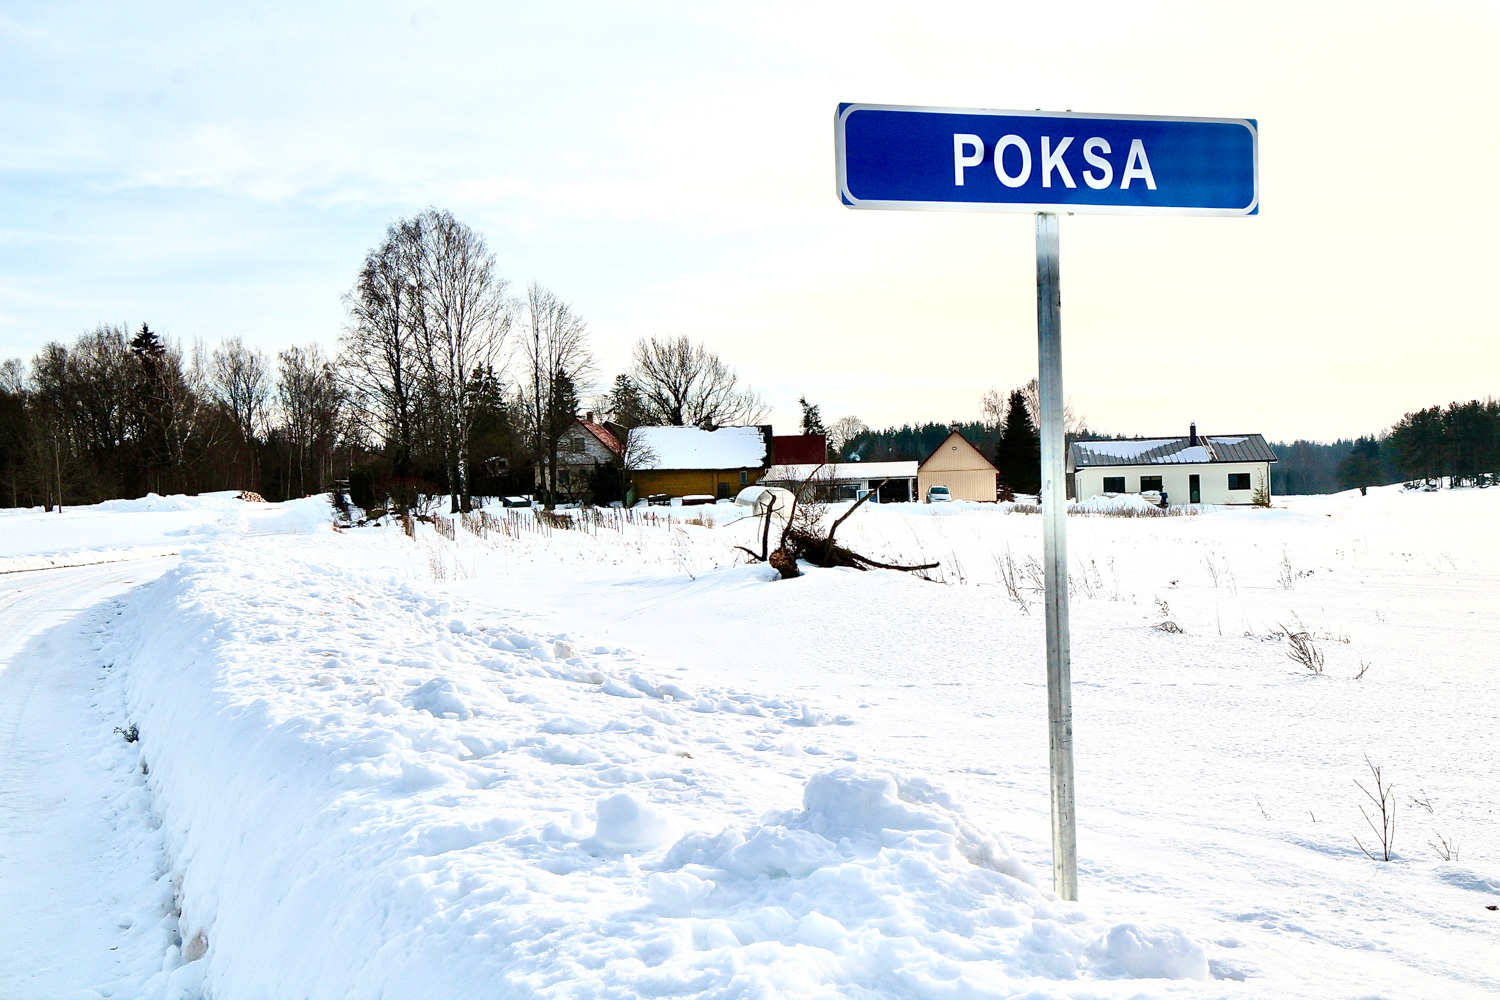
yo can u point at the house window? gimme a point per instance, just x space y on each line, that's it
744 478
562 477
1114 484
1151 483
1239 480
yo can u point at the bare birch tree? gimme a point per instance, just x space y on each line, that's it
459 328
841 434
311 405
686 385
993 405
379 358
558 363
239 380
1032 390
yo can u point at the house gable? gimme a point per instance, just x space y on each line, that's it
956 454
581 444
604 436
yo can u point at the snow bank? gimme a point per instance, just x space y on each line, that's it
151 502
368 792
117 530
1115 503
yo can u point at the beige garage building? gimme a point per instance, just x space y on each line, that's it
961 467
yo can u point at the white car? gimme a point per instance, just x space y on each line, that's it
939 494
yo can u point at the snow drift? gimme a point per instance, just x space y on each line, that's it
367 793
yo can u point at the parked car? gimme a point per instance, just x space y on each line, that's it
939 494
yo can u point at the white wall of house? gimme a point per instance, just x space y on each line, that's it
1213 480
577 446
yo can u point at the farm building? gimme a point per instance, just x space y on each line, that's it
851 480
799 449
1208 468
961 467
690 461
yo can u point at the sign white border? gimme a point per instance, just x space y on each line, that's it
842 177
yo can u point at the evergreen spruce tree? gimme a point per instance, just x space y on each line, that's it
148 410
494 442
812 420
1360 469
562 410
1018 455
626 407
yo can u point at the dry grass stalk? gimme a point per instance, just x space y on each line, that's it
1303 649
1005 568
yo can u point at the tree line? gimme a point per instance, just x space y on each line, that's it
443 382
1457 444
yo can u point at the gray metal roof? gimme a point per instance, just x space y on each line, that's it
1171 451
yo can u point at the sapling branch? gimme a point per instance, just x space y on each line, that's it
1386 803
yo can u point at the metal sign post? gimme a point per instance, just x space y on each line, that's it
895 157
1055 556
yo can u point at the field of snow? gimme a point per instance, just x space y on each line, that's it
618 761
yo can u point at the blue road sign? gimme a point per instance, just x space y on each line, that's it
1021 161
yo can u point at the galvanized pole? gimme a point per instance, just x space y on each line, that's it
1055 556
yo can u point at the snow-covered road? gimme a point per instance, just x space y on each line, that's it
81 903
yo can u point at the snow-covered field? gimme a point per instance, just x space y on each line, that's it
618 762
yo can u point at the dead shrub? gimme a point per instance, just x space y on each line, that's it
1303 649
1005 569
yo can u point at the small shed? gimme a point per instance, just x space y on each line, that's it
962 468
691 461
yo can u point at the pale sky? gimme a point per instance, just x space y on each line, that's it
668 168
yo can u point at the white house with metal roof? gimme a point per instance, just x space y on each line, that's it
1208 468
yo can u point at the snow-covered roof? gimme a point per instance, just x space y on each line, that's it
690 448
842 472
1171 451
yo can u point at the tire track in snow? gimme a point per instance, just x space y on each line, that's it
77 864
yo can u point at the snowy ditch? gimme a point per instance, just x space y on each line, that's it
364 794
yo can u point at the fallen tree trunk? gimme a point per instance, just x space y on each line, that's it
827 553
